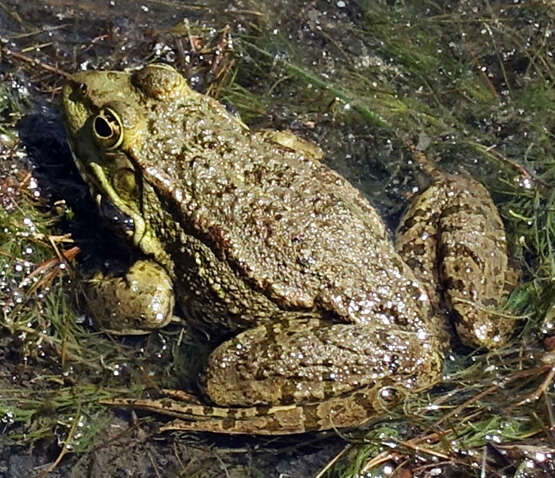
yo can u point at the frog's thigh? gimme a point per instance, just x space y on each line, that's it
307 360
292 141
136 303
416 238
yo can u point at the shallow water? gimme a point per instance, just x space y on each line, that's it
344 74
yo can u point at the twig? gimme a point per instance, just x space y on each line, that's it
116 437
479 67
491 151
34 61
541 389
65 448
36 47
378 460
332 462
428 451
153 463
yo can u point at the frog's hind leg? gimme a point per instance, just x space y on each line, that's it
453 239
475 265
338 412
318 373
301 375
342 411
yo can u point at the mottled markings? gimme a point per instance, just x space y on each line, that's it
251 231
463 255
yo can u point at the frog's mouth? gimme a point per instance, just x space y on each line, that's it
121 212
119 215
113 208
117 219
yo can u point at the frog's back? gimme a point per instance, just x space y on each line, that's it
286 224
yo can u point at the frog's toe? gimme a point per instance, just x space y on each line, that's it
291 141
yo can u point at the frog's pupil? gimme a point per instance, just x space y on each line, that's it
102 127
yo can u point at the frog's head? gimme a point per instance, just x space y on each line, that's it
105 118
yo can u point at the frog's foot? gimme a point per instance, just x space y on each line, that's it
290 140
134 304
426 165
453 239
351 410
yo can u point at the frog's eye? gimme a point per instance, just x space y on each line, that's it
107 129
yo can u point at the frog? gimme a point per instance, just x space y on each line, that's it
324 320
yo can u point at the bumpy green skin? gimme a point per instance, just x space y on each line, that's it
135 304
262 241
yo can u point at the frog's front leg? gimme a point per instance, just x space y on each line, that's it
302 375
134 304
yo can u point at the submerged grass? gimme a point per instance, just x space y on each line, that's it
38 326
55 368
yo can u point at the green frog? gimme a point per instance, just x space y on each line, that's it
323 320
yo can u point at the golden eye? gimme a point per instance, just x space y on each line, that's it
107 129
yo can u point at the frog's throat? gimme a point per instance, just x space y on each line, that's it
139 226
